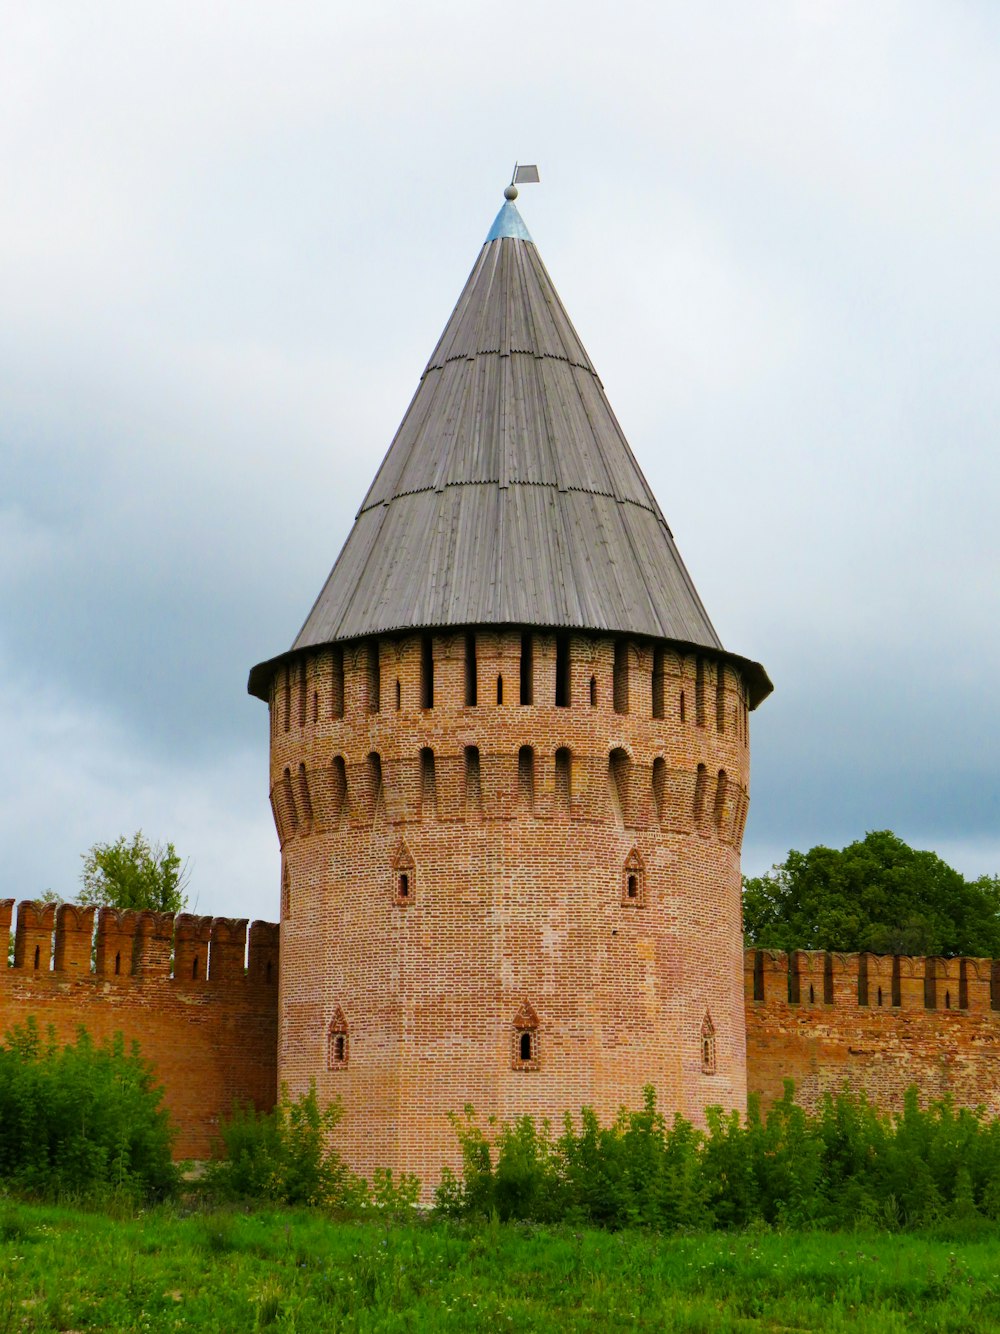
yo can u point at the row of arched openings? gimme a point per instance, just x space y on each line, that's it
298 803
525 1045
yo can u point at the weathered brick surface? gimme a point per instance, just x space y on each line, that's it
209 1026
874 1023
517 891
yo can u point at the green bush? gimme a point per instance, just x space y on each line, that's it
284 1155
81 1121
843 1165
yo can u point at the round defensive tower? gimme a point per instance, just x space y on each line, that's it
509 765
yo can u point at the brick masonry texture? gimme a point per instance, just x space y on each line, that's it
408 999
876 1024
201 1005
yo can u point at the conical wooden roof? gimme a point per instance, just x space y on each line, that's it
509 495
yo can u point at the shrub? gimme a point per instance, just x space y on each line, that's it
81 1120
284 1156
844 1164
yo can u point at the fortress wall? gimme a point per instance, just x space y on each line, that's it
201 1004
875 1023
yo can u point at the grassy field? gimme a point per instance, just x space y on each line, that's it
68 1270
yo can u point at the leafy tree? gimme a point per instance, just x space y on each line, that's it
877 894
133 873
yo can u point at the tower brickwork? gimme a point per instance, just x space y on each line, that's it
509 766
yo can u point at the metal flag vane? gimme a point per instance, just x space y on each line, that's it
526 174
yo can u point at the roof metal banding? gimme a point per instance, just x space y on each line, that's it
509 495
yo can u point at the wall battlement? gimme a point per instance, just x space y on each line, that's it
876 1023
199 994
60 941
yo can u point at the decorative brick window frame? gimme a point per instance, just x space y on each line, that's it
634 881
525 1033
338 1042
404 876
707 1045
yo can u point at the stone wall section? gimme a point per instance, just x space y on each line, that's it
876 1024
199 995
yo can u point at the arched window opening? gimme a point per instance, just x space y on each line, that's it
562 672
118 964
337 1041
658 683
527 668
634 881
426 672
812 994
620 680
404 879
593 692
720 697
499 689
471 683
194 968
339 787
660 787
619 771
473 782
303 692
293 812
721 790
399 695
680 706
428 784
707 1045
700 786
374 677
287 710
563 779
304 798
38 956
524 1047
699 692
880 995
947 1000
374 781
337 683
526 778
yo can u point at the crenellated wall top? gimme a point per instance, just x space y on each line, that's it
68 940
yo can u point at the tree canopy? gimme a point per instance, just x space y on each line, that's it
877 894
133 873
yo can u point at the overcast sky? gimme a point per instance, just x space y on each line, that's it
230 235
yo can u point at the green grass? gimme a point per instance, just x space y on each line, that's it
63 1269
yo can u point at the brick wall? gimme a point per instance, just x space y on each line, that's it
517 915
877 1024
202 1006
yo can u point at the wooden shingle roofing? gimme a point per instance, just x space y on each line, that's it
509 495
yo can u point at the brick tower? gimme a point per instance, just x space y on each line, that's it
509 764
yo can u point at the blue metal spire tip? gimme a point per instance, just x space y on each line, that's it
508 222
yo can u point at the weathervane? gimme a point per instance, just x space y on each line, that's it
523 175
